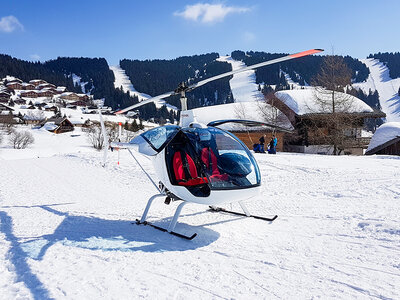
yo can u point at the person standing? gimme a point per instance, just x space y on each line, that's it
272 145
262 142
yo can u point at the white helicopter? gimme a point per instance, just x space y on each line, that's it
198 163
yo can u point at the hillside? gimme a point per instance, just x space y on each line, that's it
153 77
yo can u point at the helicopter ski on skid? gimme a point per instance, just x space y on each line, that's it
198 163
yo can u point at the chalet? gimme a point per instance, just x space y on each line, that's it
83 97
69 96
15 85
57 125
79 103
49 107
45 85
386 140
27 86
313 116
4 96
29 94
7 115
37 82
61 89
45 93
11 79
19 101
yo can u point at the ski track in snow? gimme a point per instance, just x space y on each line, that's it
122 80
243 85
66 232
388 88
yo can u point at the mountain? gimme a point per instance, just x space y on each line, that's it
154 77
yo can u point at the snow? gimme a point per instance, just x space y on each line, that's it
122 80
303 101
66 232
380 80
243 85
78 81
255 111
385 133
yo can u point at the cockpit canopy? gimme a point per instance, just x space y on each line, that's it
207 156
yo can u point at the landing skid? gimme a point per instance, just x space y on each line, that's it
220 209
186 237
173 222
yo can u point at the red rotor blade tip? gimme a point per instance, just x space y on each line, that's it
305 53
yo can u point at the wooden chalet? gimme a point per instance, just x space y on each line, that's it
79 103
27 86
29 94
313 122
45 85
37 82
15 85
57 124
7 115
4 96
45 93
386 140
69 96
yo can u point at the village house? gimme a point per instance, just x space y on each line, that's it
27 86
37 82
69 96
313 120
61 89
45 85
29 94
45 93
14 85
386 140
57 125
8 116
4 96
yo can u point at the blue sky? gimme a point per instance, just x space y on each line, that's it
150 29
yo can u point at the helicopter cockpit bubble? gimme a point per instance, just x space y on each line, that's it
223 159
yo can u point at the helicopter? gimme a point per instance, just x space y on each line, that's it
195 162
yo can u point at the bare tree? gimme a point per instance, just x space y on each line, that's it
21 139
96 139
36 115
330 116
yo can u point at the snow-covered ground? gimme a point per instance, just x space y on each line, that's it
243 85
66 232
380 80
122 80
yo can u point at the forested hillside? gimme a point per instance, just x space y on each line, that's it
391 60
156 77
301 70
97 75
26 71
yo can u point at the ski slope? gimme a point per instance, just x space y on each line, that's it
66 232
380 80
122 80
243 85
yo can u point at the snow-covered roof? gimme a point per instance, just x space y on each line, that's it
50 126
318 100
254 110
385 133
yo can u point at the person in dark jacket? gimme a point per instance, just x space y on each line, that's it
272 145
262 142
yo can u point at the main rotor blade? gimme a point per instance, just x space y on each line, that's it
203 82
255 66
154 99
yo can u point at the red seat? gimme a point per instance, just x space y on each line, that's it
188 177
207 156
